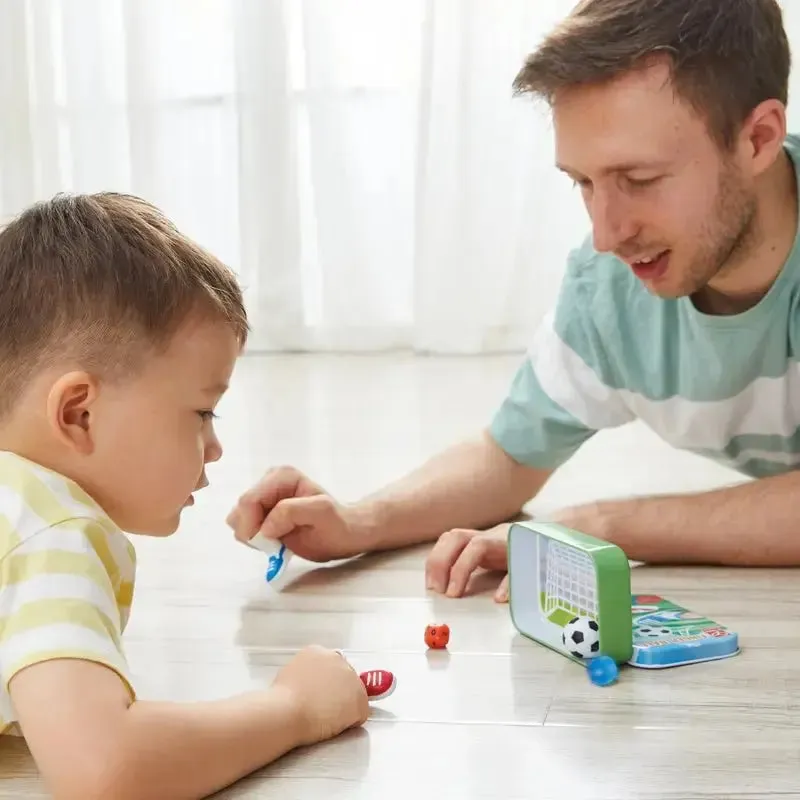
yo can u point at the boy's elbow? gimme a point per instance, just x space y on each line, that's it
101 780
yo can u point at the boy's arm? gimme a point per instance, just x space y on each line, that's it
62 662
752 524
90 742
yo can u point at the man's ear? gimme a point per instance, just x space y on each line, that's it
69 410
764 132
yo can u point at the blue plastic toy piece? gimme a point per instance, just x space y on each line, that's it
276 564
603 670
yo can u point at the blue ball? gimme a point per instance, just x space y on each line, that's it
603 670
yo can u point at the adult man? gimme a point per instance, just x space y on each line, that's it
670 117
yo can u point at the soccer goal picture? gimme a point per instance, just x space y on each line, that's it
569 591
570 586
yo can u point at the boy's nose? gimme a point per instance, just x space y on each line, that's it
213 451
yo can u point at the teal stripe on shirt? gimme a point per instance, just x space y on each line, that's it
531 428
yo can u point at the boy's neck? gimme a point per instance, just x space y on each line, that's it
25 439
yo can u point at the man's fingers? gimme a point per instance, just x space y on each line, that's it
459 552
276 485
246 519
444 554
297 512
256 503
501 595
472 557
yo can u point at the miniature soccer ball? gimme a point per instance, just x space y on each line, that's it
581 637
652 632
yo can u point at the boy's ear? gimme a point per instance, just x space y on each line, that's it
69 410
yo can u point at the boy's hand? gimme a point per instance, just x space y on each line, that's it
459 553
287 505
326 691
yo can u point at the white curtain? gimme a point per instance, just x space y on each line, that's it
360 163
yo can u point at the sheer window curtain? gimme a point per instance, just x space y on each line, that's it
360 163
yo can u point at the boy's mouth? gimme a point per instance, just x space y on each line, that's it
202 485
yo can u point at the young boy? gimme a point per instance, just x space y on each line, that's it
118 336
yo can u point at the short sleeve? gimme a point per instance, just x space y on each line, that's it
57 600
564 390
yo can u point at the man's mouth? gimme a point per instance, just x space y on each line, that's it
650 267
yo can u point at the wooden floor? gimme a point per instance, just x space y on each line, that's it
496 716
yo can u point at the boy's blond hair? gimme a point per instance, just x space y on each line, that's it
101 280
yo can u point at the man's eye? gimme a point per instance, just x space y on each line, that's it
640 183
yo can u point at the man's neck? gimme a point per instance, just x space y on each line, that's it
741 287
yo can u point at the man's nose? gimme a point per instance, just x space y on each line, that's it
612 222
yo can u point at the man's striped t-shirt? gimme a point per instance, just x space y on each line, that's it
66 577
725 387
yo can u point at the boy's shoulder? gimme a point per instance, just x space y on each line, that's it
66 576
34 498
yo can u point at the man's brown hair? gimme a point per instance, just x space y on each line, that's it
727 56
101 280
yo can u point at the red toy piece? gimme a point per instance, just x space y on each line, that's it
379 683
437 636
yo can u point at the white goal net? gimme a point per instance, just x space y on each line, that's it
570 583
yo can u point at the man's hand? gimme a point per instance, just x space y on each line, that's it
459 553
474 484
285 504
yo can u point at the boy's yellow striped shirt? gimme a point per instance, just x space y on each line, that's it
66 576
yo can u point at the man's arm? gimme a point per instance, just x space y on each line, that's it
752 524
561 394
473 484
559 397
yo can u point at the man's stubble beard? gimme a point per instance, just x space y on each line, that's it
730 238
